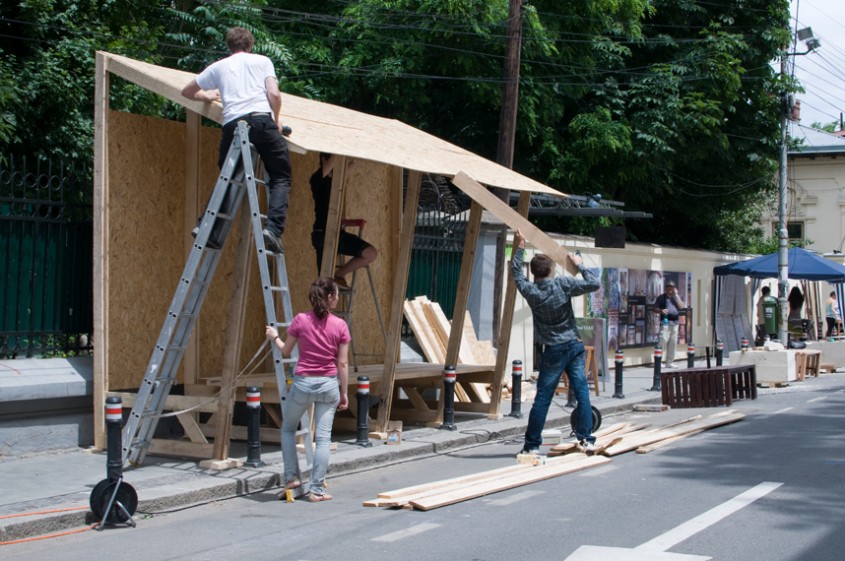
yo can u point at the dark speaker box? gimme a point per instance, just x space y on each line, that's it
610 236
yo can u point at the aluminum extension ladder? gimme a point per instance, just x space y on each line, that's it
347 296
237 177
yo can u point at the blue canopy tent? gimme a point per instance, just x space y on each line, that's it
802 265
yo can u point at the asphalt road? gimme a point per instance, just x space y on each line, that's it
767 488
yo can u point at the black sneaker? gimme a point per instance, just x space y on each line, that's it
529 451
272 243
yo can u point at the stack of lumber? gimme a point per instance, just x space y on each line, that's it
429 496
432 329
563 458
625 437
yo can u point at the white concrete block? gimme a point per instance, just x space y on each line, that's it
770 366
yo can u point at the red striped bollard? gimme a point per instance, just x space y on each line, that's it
516 392
362 394
658 360
114 438
450 378
720 348
690 355
253 429
619 361
743 344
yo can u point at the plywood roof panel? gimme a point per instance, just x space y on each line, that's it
324 127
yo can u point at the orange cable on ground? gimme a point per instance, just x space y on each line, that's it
23 540
43 512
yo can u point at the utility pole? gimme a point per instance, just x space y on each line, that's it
783 234
510 90
507 137
786 107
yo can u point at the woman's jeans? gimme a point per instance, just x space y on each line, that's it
324 393
569 356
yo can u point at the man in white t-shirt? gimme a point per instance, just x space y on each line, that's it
246 85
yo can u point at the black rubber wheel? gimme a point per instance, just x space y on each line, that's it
596 419
101 495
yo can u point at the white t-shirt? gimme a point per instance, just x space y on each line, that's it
240 79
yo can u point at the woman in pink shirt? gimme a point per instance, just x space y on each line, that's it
323 340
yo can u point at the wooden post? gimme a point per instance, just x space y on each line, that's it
462 296
400 282
101 262
504 341
234 337
334 217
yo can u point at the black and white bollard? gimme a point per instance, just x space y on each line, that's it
619 361
690 355
450 378
743 344
362 394
720 348
253 428
112 500
658 362
516 391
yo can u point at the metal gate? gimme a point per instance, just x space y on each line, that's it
46 250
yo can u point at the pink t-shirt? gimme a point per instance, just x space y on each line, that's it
318 340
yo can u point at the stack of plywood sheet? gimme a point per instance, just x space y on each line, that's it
432 329
563 459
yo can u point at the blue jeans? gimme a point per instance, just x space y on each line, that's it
569 356
273 149
324 393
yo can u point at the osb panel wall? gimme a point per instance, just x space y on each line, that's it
145 233
371 196
148 236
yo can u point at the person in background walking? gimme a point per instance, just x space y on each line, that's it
550 299
669 306
321 378
245 83
831 315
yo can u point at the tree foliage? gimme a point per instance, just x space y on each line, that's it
670 106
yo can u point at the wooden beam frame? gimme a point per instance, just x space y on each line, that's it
400 282
535 236
503 344
101 231
336 201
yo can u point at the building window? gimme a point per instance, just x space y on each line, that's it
794 231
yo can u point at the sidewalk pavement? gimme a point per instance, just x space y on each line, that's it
48 493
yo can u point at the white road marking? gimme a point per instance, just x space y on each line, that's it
784 410
707 519
655 550
525 495
406 533
816 399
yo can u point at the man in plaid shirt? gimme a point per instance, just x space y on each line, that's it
550 299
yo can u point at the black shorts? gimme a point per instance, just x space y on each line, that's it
347 244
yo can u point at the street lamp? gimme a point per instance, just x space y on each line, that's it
805 35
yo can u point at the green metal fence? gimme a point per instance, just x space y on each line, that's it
45 259
438 243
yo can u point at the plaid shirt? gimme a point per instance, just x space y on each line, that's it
550 300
